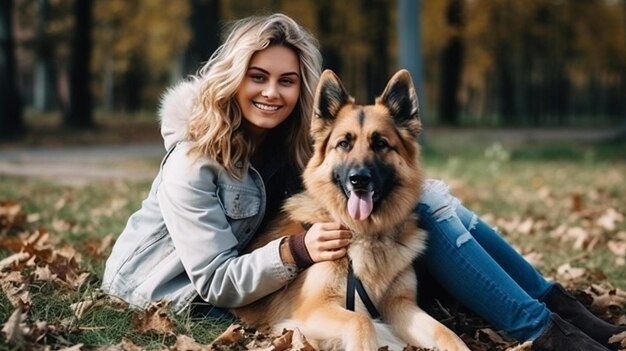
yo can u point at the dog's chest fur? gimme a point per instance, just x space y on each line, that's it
394 248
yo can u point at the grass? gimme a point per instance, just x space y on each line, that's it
554 187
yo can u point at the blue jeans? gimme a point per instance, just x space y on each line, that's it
479 268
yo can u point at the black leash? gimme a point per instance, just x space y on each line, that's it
355 284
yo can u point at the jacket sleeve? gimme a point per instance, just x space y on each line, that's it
204 240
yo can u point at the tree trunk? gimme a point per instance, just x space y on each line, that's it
330 51
622 125
44 69
503 67
11 124
451 66
205 34
79 112
377 65
133 83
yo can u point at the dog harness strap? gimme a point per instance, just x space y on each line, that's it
355 283
366 300
351 288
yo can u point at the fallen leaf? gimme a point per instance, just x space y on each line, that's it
110 348
232 335
96 299
13 277
299 342
16 292
526 227
617 247
283 342
128 345
44 274
186 343
492 335
77 347
258 341
98 247
76 281
40 329
609 218
522 347
60 203
11 216
60 225
609 301
13 260
578 235
154 318
568 273
81 307
33 217
14 327
577 203
621 338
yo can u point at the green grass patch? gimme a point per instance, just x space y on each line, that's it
553 188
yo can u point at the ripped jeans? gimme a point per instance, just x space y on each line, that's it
479 268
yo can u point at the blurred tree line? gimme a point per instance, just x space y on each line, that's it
485 62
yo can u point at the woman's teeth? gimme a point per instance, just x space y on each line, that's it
266 107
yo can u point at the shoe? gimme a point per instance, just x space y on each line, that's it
562 336
561 302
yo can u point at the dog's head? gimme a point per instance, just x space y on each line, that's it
366 163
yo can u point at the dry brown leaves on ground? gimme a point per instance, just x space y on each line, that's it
236 337
35 257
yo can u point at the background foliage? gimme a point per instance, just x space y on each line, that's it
485 62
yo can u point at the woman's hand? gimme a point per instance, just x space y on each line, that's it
327 241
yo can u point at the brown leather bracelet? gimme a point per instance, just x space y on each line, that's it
299 251
285 252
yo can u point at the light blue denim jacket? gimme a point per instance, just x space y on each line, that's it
185 240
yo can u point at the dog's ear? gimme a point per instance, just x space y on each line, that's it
401 99
330 96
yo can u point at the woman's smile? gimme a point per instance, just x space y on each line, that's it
266 107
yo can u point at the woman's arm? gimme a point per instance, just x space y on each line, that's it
205 242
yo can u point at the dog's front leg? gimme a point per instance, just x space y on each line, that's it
399 309
329 321
418 328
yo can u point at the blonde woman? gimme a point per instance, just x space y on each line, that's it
237 139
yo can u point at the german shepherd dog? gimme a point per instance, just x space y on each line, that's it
366 174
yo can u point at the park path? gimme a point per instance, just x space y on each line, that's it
78 165
82 164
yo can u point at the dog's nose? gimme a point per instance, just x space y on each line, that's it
360 177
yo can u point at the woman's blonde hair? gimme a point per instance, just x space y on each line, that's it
215 127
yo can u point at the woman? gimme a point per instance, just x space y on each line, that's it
237 138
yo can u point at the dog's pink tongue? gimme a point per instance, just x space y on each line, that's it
360 205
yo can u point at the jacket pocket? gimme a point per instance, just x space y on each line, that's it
239 202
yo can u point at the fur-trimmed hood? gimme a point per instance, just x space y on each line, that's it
177 104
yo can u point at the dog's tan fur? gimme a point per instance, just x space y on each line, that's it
384 244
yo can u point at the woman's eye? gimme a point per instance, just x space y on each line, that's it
286 82
257 78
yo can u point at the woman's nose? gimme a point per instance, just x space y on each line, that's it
270 91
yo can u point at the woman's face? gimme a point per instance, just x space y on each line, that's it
270 90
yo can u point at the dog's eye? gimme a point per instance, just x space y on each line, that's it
380 144
343 144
